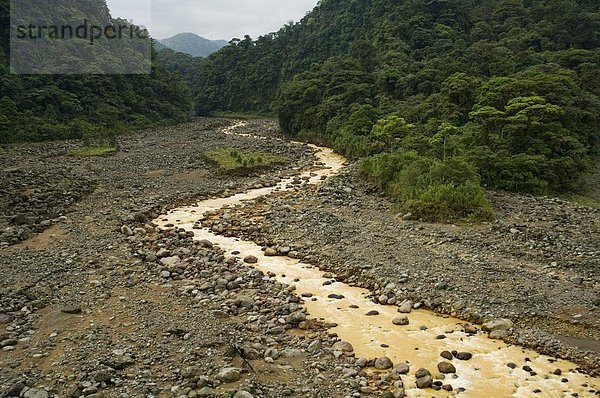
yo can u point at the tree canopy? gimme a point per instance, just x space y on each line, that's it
44 107
509 87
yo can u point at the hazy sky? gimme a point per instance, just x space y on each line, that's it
213 19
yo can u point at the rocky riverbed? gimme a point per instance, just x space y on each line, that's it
86 308
103 303
537 265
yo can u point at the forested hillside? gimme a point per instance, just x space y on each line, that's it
440 96
43 107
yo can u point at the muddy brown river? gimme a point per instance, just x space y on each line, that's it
485 375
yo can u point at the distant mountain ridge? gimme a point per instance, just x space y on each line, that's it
91 105
192 44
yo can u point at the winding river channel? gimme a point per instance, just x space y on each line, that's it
485 375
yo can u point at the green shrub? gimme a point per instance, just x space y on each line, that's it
313 137
356 146
449 202
429 188
383 168
518 173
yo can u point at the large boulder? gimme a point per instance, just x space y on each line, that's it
343 346
446 367
36 393
401 320
497 324
383 363
229 375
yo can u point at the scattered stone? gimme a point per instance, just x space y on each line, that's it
373 313
251 260
290 353
125 230
165 274
296 317
36 393
343 346
497 324
284 250
205 244
406 307
229 375
422 372
402 368
464 356
399 393
73 310
498 334
470 329
102 376
163 253
270 252
250 353
446 367
191 372
314 346
272 353
15 389
171 261
6 319
383 363
205 392
424 382
401 320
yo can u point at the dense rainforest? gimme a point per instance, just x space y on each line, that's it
437 97
91 106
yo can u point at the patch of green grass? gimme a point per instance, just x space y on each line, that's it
232 159
93 151
583 200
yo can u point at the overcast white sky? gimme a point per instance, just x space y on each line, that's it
212 19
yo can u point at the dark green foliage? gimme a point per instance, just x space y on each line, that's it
430 189
509 86
93 107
